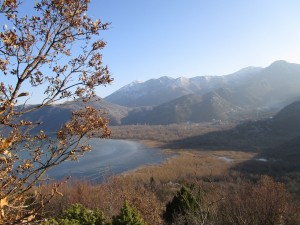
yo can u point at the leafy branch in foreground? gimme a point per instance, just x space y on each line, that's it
53 53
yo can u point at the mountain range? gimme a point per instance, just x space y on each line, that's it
164 89
250 93
246 94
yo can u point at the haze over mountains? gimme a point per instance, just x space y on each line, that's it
246 94
249 92
164 89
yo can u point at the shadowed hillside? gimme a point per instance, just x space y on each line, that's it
190 108
54 116
275 141
283 159
275 161
253 135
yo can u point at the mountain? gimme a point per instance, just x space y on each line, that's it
281 158
251 91
288 119
151 92
252 87
54 116
261 135
189 108
273 87
247 94
164 89
113 111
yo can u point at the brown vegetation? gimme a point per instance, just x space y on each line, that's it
236 201
228 196
190 165
37 53
109 197
265 140
266 202
166 133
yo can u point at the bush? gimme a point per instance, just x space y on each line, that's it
128 216
79 215
264 203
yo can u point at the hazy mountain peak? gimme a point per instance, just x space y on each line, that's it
134 83
249 70
182 78
206 78
182 81
163 79
279 63
166 78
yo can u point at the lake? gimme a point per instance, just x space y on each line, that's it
108 156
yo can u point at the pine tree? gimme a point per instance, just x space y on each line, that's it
188 207
182 203
128 216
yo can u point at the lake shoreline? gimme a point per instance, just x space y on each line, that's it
116 155
187 163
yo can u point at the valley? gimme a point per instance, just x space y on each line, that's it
254 110
274 140
223 133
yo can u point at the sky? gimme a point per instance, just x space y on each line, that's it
153 38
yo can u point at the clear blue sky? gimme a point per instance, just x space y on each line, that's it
152 38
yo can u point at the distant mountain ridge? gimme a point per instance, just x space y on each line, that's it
54 116
273 87
164 89
249 93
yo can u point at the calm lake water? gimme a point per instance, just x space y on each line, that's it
113 156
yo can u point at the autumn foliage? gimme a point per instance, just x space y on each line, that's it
54 53
237 201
